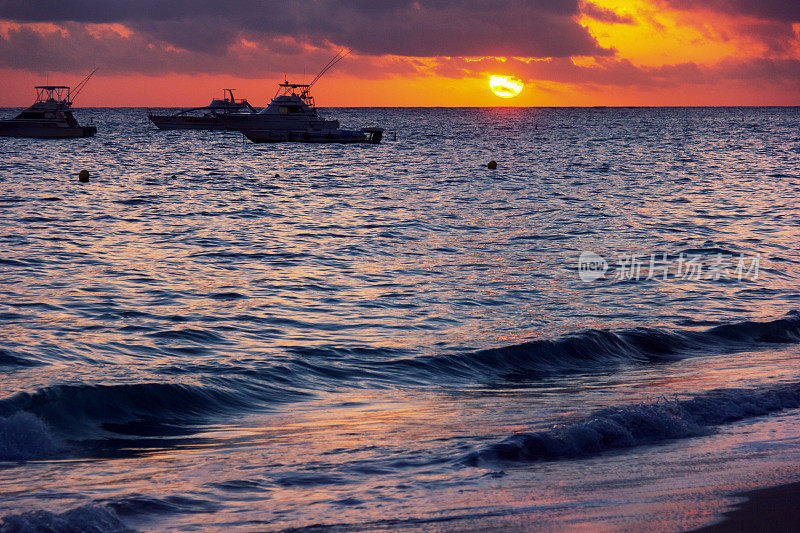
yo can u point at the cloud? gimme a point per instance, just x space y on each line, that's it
621 73
768 22
424 28
76 47
787 11
63 49
449 38
605 15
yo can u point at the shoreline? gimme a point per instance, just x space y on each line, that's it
769 509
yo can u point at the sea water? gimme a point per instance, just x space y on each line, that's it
210 334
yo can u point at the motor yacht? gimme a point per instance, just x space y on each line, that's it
203 118
49 117
292 116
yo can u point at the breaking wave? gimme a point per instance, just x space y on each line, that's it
642 424
23 436
32 423
599 349
84 519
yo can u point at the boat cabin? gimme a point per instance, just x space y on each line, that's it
52 104
229 102
294 99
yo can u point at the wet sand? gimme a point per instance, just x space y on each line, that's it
771 509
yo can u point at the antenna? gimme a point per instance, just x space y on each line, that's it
81 85
341 54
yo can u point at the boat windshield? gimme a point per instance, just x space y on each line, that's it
31 115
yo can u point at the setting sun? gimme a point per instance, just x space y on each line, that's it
505 86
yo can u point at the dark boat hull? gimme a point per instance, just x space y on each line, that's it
274 122
367 135
44 131
171 122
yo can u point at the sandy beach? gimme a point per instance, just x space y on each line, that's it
770 509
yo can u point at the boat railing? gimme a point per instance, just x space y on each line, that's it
290 89
53 93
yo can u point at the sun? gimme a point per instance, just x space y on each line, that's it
505 86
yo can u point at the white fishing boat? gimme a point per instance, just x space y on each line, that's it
50 116
203 118
292 116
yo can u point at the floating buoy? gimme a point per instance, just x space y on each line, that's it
83 175
277 175
492 165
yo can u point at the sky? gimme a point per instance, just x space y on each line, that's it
406 53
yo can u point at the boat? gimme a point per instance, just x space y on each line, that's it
292 116
203 118
50 116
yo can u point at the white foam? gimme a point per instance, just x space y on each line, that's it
634 425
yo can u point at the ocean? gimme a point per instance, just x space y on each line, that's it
600 334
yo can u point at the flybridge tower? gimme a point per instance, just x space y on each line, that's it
288 89
60 94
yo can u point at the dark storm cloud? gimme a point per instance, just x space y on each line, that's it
60 51
606 15
28 49
769 21
778 10
427 28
